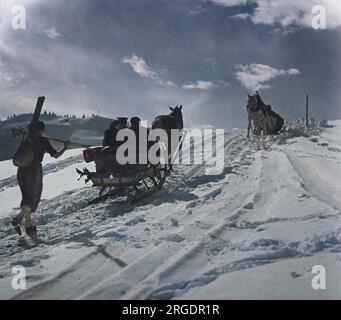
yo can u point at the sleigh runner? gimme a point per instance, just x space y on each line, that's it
135 179
140 183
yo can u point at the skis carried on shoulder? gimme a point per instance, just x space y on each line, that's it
37 110
25 153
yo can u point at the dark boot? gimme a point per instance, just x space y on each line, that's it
16 225
30 226
32 232
18 221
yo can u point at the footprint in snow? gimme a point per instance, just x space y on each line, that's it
135 221
332 149
192 204
303 197
203 226
212 195
174 222
173 238
249 206
295 274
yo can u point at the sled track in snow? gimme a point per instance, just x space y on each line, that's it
182 231
233 143
311 183
283 252
179 255
173 184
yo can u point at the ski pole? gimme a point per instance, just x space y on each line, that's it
73 143
21 132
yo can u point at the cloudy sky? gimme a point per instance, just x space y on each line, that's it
137 57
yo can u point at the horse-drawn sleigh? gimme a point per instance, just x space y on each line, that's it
138 180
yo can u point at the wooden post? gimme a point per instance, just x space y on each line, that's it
307 112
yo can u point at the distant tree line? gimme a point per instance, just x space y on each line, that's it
11 116
54 115
75 117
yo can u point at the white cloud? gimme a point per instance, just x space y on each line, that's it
296 12
205 85
287 13
140 66
242 16
256 76
52 33
229 3
293 72
170 84
201 85
196 11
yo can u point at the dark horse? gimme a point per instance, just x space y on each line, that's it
172 121
255 115
264 118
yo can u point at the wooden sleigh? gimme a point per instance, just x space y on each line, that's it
138 181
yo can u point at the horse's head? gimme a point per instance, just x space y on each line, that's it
253 102
177 114
176 110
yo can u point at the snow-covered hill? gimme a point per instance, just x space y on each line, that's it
255 231
80 130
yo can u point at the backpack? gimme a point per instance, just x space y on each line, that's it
24 156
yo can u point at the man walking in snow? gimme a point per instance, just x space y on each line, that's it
30 179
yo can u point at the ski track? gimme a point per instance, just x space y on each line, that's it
314 185
148 250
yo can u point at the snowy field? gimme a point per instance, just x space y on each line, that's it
253 232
